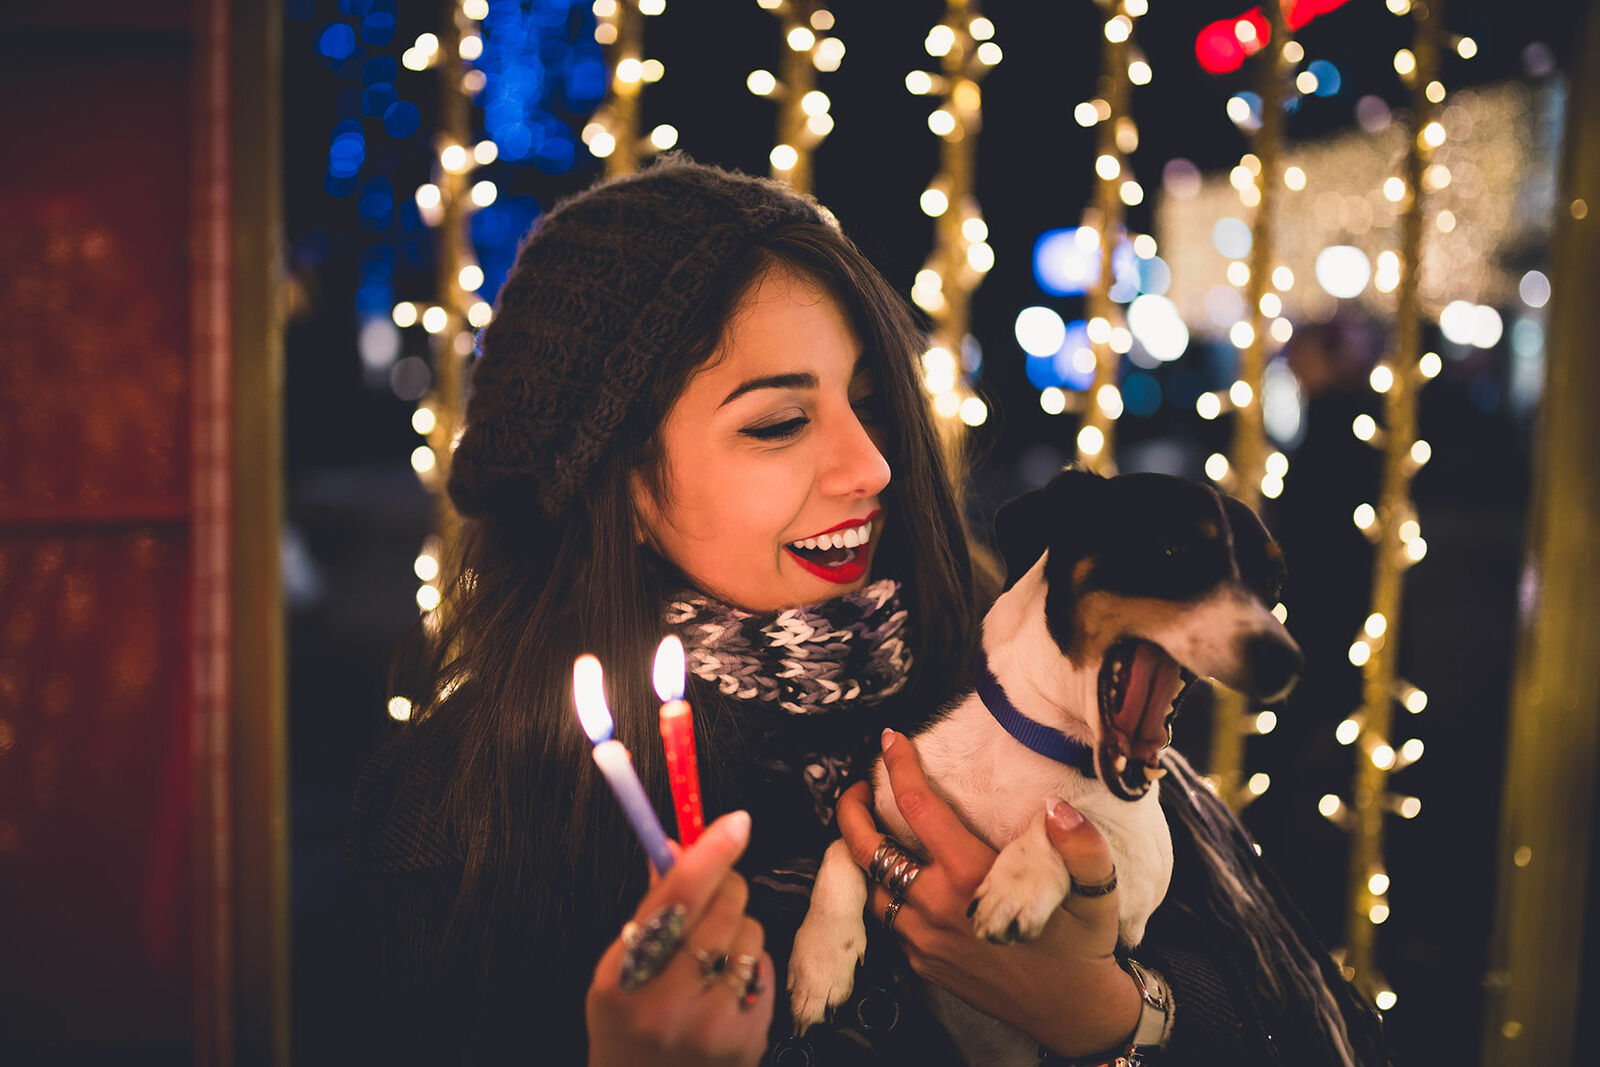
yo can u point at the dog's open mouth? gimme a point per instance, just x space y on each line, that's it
1138 683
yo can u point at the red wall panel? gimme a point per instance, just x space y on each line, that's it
96 807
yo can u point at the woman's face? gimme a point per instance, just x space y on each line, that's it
770 447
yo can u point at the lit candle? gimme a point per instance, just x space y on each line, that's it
588 692
677 734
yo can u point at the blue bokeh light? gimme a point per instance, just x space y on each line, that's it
1329 80
515 140
374 298
496 232
337 42
1062 369
377 29
556 155
347 150
402 119
1063 265
586 82
1155 277
376 205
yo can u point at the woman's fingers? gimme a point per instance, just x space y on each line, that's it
941 831
856 825
689 887
1093 897
698 873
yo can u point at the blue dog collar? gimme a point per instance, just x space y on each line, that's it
1052 744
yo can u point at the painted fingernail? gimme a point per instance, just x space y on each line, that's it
1064 816
888 739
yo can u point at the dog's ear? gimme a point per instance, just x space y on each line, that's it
1258 556
1051 517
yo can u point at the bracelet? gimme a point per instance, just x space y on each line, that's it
1149 1035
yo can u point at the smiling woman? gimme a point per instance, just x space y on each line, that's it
772 450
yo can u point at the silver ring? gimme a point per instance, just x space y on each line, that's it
887 853
746 980
893 867
899 881
892 913
648 946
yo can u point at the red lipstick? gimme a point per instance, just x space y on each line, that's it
853 562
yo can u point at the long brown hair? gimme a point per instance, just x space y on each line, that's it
550 866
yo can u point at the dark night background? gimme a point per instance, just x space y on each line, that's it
358 514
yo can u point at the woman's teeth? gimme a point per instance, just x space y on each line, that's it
854 537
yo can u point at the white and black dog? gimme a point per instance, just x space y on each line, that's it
1119 591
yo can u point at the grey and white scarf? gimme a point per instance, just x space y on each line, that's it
803 659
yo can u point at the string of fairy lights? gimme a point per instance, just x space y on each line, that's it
1392 524
804 117
963 42
1117 137
1254 469
445 204
612 133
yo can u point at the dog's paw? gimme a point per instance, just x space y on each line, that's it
1016 899
822 968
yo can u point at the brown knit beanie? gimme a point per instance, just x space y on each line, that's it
603 287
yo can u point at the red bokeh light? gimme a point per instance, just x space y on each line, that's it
1220 48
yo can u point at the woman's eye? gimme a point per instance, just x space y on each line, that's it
868 408
777 431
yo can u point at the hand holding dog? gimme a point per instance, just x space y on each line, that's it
698 1008
1064 989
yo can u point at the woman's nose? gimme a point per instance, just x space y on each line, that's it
855 465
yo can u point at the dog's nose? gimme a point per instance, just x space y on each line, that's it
1274 665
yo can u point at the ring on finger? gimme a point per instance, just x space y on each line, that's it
1095 889
713 965
648 946
890 860
899 881
892 913
745 978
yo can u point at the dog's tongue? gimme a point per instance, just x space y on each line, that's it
1153 682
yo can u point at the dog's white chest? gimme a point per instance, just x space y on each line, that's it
1000 789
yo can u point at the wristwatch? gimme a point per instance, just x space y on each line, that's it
1149 1036
1155 1018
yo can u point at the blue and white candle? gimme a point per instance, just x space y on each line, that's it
588 692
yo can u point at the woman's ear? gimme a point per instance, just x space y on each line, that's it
645 511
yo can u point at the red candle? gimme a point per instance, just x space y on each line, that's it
677 734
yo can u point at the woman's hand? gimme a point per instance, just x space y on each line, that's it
710 1001
1065 989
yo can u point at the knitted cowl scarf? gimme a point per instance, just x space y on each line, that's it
803 659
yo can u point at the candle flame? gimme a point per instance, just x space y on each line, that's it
669 668
588 692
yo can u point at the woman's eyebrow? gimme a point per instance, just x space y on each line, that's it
804 380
